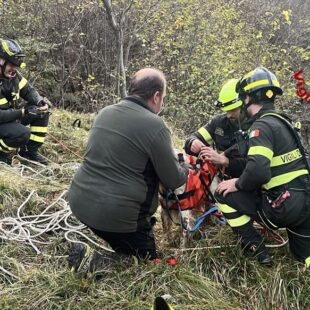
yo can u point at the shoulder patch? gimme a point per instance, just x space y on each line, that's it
219 131
254 133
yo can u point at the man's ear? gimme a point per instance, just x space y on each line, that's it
156 97
247 99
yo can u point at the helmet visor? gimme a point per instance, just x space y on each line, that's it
230 105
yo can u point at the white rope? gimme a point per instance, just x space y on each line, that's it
31 228
43 172
9 273
212 247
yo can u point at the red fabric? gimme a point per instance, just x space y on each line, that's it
199 176
171 261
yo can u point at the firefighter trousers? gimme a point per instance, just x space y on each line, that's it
292 214
16 134
239 209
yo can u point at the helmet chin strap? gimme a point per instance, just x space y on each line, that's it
246 106
3 68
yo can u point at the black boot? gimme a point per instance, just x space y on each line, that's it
259 252
33 155
79 258
101 264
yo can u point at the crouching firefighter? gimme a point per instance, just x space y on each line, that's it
14 134
274 187
222 132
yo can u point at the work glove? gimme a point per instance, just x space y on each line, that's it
44 102
33 110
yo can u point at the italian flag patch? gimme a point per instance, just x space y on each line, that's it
254 133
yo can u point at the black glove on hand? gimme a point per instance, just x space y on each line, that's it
43 102
34 111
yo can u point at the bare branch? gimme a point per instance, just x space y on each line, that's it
111 17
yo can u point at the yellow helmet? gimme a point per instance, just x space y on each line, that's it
228 97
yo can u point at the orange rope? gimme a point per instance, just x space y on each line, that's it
65 146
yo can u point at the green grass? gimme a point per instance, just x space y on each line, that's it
203 278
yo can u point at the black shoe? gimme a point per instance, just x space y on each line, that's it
5 158
34 156
106 259
259 253
79 258
100 262
264 259
103 263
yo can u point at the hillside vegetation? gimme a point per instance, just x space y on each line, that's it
214 278
81 54
78 60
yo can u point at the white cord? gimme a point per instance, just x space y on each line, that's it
9 273
30 228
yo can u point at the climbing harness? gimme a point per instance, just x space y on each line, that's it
197 191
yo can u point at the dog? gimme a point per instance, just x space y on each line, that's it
184 205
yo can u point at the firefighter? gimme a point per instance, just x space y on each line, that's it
14 134
222 132
274 187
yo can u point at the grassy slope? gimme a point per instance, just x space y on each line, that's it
203 279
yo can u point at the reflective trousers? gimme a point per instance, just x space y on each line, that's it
16 134
293 214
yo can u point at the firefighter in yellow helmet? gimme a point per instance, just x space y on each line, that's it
274 188
222 133
14 119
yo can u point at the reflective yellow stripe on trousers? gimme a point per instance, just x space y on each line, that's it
3 101
38 129
37 138
226 208
4 145
237 222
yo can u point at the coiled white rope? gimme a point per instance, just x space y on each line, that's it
30 228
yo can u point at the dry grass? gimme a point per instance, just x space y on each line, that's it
203 279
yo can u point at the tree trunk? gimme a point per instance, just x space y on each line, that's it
118 32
